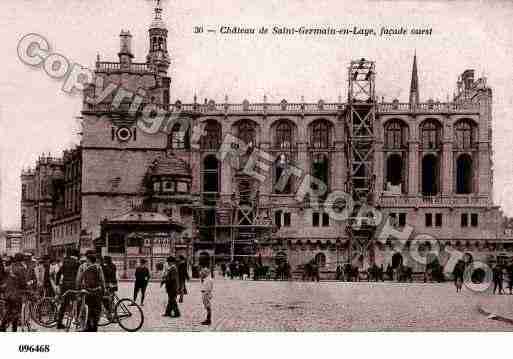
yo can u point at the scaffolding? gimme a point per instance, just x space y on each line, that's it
359 126
240 222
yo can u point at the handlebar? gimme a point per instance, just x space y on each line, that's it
79 291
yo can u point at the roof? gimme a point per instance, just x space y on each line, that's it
170 166
138 216
143 218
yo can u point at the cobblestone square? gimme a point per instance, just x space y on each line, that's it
324 306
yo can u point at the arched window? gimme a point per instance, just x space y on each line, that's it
283 135
320 134
320 259
465 133
179 137
396 135
282 177
430 175
211 139
246 132
430 135
464 174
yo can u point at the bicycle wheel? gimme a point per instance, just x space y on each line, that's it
129 315
46 312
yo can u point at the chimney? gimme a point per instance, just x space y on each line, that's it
125 49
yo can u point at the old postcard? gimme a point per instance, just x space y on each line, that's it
273 166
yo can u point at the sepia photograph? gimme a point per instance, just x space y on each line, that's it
239 166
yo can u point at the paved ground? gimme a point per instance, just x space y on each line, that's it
325 306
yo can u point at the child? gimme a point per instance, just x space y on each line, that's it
207 287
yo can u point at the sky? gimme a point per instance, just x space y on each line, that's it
37 117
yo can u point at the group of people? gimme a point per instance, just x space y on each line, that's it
22 275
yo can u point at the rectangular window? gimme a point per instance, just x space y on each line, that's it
429 219
286 219
464 219
277 218
325 220
438 220
315 219
473 220
402 219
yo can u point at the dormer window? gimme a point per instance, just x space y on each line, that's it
169 186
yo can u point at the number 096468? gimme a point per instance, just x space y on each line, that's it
30 348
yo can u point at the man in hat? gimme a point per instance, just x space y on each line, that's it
171 281
15 285
90 277
142 277
66 277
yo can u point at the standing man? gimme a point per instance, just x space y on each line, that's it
497 278
183 276
90 277
207 287
66 277
142 277
14 285
171 281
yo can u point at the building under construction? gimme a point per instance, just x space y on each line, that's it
357 181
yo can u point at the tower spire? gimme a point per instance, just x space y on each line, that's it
158 57
414 86
158 10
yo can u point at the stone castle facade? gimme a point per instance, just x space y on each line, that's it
431 170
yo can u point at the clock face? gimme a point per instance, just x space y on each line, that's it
123 134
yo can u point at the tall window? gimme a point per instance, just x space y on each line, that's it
211 174
430 175
178 138
283 137
464 174
320 134
212 136
430 135
465 133
320 170
282 178
211 183
396 135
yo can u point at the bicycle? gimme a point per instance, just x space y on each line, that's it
77 317
120 312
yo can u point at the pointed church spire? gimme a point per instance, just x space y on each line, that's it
414 87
